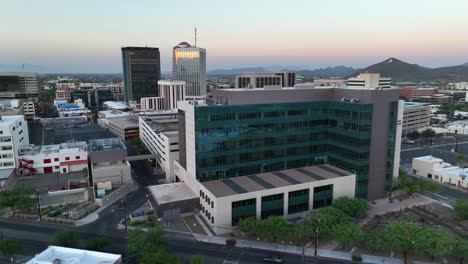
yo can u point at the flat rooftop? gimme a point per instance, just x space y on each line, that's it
105 144
415 104
275 179
123 122
49 149
172 192
163 125
430 159
7 120
73 255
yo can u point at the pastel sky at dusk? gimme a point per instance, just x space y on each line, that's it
86 35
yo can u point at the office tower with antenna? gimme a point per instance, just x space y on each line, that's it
189 65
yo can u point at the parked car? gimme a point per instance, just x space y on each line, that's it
273 259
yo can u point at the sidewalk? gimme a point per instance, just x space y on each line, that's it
298 250
115 196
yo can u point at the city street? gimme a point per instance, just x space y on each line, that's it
36 237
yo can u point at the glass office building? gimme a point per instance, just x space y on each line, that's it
236 140
247 132
189 65
141 71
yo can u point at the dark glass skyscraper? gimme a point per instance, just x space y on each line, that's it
142 71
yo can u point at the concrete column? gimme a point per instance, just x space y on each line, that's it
259 207
285 203
311 198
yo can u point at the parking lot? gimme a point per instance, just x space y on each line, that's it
81 133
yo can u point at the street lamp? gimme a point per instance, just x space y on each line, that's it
39 205
317 235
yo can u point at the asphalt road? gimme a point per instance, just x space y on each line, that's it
36 237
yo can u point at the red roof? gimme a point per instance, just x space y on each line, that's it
73 162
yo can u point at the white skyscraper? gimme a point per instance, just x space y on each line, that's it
189 65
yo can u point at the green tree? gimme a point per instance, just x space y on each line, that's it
460 249
159 257
428 133
198 259
348 235
18 198
461 208
429 186
434 242
9 247
375 240
148 245
275 227
98 244
329 218
414 135
250 225
355 208
402 236
66 239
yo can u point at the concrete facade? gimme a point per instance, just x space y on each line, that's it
416 116
437 170
108 160
13 134
369 81
161 136
60 158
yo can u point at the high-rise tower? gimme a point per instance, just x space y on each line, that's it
189 65
142 71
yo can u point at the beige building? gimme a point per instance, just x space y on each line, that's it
437 170
126 128
415 116
369 81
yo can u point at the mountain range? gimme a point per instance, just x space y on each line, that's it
401 71
394 68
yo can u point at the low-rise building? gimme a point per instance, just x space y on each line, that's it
438 170
63 255
459 86
64 94
438 99
109 161
126 128
115 105
414 93
60 158
415 116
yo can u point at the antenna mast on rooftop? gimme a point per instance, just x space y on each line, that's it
195 36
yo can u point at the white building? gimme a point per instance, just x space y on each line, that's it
160 135
262 79
63 255
437 170
459 86
189 65
13 134
172 92
115 105
152 103
60 158
369 81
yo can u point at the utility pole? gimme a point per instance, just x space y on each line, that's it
39 206
124 203
456 140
